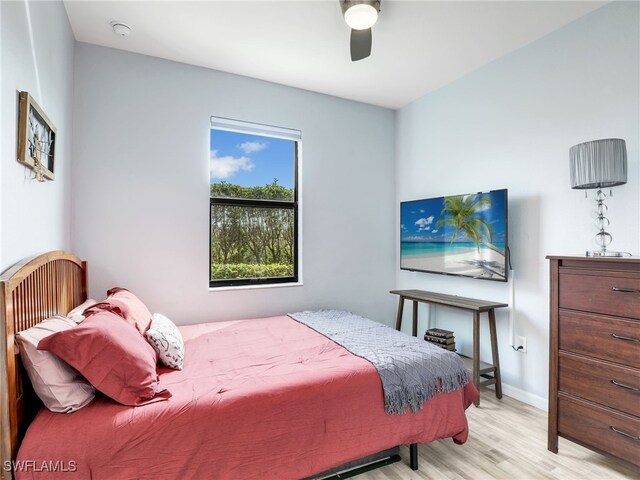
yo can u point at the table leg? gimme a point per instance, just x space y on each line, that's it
476 353
494 351
400 310
415 318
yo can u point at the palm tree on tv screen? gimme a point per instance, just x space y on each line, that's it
461 213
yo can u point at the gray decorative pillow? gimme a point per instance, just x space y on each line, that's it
165 338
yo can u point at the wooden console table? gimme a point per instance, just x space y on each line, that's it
489 372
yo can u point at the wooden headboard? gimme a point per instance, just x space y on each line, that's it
32 290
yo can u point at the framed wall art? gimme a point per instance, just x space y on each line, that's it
36 139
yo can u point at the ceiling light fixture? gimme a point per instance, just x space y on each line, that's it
361 15
121 29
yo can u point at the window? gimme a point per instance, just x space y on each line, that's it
253 203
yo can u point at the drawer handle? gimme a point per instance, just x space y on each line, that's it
622 385
625 290
628 339
624 434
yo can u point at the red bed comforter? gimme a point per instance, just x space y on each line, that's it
257 399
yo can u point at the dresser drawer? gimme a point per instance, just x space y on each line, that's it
600 292
601 382
592 425
595 336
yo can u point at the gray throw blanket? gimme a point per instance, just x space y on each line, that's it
411 370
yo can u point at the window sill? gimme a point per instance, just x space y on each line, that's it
256 287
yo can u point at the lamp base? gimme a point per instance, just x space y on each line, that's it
600 253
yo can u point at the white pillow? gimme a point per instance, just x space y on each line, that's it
60 387
165 338
77 314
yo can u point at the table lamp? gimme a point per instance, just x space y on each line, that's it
599 164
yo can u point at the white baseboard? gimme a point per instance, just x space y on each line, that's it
525 397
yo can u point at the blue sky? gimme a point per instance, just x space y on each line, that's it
418 220
250 160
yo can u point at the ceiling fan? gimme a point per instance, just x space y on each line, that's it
360 15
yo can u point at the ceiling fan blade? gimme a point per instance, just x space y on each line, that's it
360 44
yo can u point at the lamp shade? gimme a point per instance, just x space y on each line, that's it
598 164
361 16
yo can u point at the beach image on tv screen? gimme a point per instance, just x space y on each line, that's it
456 235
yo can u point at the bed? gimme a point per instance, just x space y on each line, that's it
259 398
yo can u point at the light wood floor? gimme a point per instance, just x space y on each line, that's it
507 439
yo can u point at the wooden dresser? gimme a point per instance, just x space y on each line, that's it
594 355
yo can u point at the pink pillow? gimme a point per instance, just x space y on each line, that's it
60 387
77 314
112 355
124 303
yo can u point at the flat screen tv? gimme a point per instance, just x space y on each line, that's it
463 235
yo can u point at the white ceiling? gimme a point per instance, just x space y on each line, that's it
418 46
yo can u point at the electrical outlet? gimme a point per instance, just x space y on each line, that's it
521 342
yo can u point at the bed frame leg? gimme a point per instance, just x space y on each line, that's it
413 456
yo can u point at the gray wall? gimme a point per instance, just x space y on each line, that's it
510 125
140 187
37 56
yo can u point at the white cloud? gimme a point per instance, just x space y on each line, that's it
251 147
414 238
421 211
225 167
481 208
434 231
424 222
